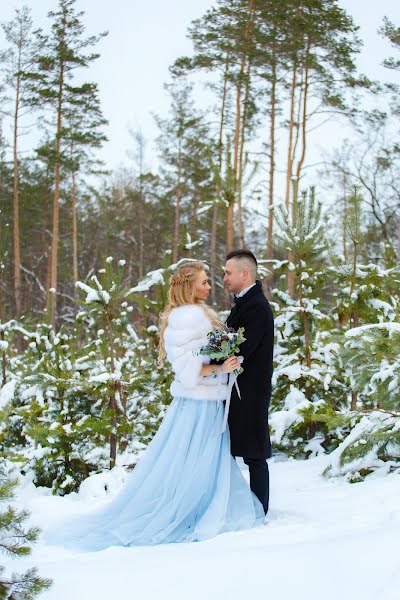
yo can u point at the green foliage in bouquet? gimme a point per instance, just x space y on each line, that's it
223 342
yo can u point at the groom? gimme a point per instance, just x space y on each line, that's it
248 415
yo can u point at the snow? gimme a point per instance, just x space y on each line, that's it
7 392
92 295
323 538
152 278
391 327
97 485
374 421
381 305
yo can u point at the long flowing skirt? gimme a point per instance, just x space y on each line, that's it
186 487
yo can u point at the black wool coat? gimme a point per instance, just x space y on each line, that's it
248 415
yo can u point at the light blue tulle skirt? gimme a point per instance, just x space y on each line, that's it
186 487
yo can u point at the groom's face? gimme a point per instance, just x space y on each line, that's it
234 276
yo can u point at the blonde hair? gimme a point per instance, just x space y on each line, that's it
182 291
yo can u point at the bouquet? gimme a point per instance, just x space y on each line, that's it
223 343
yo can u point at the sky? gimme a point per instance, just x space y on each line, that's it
144 40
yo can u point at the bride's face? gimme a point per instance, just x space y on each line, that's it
202 287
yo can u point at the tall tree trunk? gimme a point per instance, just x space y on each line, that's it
289 167
305 324
345 216
3 361
304 117
272 157
213 252
193 223
230 215
241 153
354 321
293 180
56 207
112 400
16 230
398 239
178 198
238 124
141 229
2 335
214 222
75 273
141 206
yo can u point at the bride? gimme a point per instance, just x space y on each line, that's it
186 486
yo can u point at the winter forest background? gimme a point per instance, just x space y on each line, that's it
86 251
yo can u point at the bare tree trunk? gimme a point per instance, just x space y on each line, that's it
141 230
272 158
178 198
289 173
398 239
213 252
304 119
241 166
214 223
56 200
305 325
16 230
112 401
289 169
230 215
75 274
354 321
238 124
293 180
192 227
2 337
3 361
344 216
141 144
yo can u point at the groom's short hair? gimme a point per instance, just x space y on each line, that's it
246 259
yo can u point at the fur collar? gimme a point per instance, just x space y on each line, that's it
187 325
182 316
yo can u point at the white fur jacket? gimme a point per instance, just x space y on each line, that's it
185 332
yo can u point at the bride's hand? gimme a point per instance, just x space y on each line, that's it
230 364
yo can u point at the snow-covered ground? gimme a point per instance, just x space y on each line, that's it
323 539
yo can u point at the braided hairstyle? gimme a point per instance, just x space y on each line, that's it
182 291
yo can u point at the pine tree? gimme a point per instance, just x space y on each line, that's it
364 293
223 42
373 445
126 375
307 390
16 540
184 144
80 396
372 354
19 59
61 53
82 135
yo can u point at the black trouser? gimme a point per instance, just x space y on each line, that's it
259 479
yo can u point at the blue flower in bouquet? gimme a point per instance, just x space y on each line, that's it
223 342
